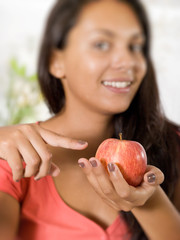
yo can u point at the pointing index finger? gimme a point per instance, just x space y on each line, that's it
57 140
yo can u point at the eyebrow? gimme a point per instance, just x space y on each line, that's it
112 34
139 35
105 32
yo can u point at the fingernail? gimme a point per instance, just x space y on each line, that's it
151 178
111 167
82 142
93 163
37 179
81 164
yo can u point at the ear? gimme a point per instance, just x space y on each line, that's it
56 65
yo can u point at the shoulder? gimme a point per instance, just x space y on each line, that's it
178 131
172 141
174 129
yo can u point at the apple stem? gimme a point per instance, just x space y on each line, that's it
120 136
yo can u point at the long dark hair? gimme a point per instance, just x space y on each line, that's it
144 120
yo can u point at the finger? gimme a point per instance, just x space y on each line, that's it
29 155
57 140
153 176
10 153
87 169
109 198
121 186
130 196
54 170
45 156
103 179
16 164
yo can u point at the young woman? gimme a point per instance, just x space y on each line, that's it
97 77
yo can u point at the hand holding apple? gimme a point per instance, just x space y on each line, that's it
129 156
117 191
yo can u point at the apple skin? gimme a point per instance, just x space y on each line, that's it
129 156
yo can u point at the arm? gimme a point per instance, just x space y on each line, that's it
29 143
158 217
9 216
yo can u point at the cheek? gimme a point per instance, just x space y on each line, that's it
141 68
86 66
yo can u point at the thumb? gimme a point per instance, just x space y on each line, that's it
153 176
54 170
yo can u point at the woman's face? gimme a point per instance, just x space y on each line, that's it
103 62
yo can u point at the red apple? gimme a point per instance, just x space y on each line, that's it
129 156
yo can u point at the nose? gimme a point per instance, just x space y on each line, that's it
123 59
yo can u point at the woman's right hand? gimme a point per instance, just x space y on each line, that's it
28 143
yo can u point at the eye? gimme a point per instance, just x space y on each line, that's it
104 46
136 48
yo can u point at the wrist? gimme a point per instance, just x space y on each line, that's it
152 202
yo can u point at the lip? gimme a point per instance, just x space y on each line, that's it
115 89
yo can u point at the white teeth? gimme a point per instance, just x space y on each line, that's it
117 84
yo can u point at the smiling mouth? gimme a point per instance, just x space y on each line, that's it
117 84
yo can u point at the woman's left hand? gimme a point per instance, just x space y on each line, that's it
114 189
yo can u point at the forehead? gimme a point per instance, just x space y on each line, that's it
116 16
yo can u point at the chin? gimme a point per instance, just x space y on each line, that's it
116 106
116 110
122 108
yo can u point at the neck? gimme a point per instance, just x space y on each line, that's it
82 124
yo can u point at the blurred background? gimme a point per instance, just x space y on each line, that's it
21 28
